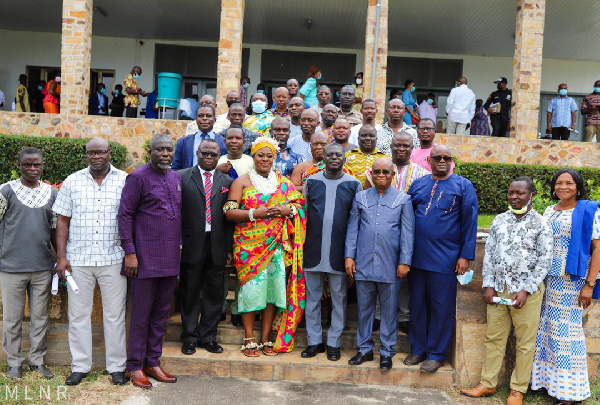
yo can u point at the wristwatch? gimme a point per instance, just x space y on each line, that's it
590 283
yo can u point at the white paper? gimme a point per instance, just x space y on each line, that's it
503 301
54 288
71 282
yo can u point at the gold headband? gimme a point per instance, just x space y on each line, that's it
262 142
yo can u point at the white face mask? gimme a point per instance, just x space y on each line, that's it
57 79
259 106
359 81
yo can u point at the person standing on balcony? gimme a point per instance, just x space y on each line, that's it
562 114
22 95
460 108
132 99
308 91
590 107
410 103
498 106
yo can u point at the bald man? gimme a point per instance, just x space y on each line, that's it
281 99
445 207
460 108
309 120
382 224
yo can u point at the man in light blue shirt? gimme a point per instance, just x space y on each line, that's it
562 114
382 224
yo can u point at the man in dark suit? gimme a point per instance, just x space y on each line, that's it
185 151
98 104
207 247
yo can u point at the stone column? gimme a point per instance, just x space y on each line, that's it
76 56
527 68
229 63
379 87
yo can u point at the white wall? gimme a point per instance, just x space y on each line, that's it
20 48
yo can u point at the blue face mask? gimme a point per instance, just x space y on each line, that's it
562 92
102 91
337 94
116 92
429 101
260 91
596 89
40 88
246 85
136 76
320 76
413 89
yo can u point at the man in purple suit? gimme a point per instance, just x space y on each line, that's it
150 232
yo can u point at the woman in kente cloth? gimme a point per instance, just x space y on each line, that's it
268 238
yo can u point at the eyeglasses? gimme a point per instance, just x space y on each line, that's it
34 165
378 172
426 129
92 153
211 154
439 158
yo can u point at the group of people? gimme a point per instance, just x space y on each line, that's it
44 98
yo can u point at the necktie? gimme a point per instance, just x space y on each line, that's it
208 194
204 135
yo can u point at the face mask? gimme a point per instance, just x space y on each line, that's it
596 89
413 89
562 92
259 106
519 211
40 88
456 84
429 101
337 94
499 86
359 81
116 92
246 85
57 79
136 76
231 102
260 91
320 76
102 91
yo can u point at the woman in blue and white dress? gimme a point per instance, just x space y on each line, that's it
560 361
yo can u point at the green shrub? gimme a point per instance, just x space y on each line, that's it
62 156
491 181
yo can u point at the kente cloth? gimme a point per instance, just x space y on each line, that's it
255 243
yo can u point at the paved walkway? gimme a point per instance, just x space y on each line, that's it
189 390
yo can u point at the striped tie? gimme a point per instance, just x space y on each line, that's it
208 193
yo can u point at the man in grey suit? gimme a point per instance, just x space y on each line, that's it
207 247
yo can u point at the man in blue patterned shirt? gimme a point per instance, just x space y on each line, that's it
286 159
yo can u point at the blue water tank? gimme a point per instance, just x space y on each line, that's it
169 89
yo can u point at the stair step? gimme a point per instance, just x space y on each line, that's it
232 335
292 367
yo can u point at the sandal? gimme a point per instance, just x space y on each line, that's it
267 349
250 349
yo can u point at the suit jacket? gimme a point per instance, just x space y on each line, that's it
184 151
193 216
94 105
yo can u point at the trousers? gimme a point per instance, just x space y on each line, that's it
366 295
338 287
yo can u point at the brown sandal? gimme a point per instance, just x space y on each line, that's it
250 349
267 349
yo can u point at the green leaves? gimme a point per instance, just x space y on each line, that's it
62 156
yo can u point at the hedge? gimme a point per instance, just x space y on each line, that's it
491 180
62 156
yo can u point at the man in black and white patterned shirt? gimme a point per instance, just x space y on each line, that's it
518 254
27 226
89 247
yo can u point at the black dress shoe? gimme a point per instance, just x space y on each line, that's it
360 358
313 350
333 353
403 327
75 378
188 348
385 363
211 347
236 320
14 373
376 325
42 370
223 317
119 378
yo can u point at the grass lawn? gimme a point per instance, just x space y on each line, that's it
485 221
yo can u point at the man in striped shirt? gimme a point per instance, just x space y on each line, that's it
562 114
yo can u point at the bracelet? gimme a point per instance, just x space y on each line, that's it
230 205
251 215
293 211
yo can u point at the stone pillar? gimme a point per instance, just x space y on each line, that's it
229 63
76 56
379 87
527 68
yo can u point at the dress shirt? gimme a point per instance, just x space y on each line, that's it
359 162
93 229
420 155
207 226
287 161
295 131
383 227
561 109
101 104
198 138
301 147
249 137
385 135
518 252
221 124
445 222
460 105
428 111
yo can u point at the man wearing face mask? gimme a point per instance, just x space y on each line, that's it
498 106
562 114
117 105
244 84
98 104
590 108
132 99
261 118
428 108
358 91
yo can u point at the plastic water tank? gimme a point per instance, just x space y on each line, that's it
169 89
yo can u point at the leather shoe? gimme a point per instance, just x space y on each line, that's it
119 378
138 379
14 373
403 327
333 353
75 378
514 398
385 363
236 320
42 370
188 348
431 366
478 392
313 350
360 358
159 374
413 359
211 347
